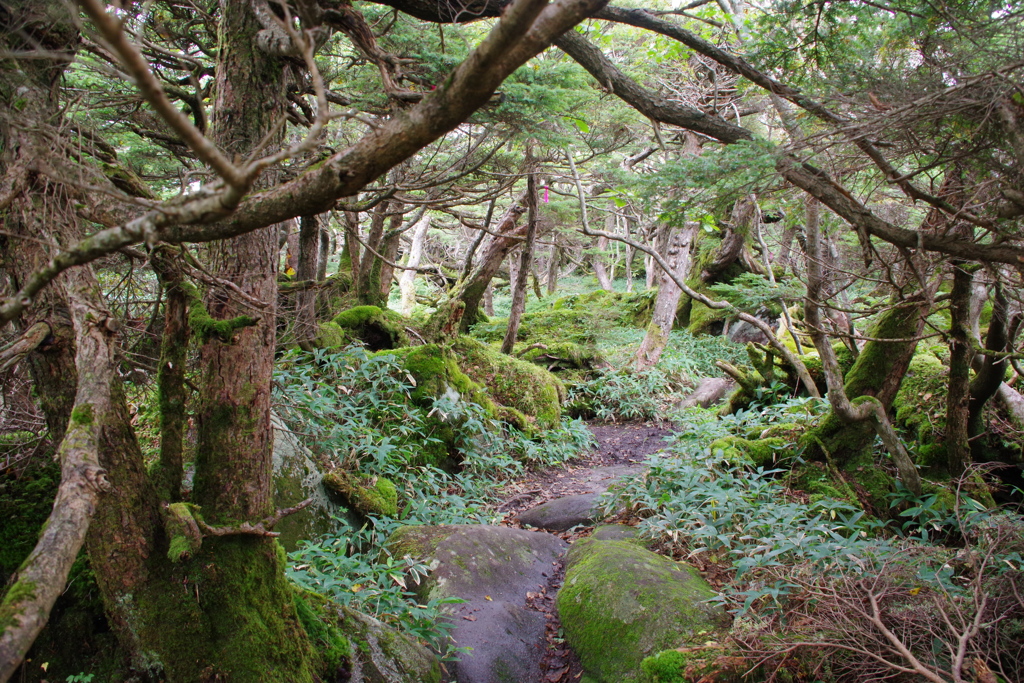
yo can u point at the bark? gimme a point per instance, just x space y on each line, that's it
667 302
389 250
307 268
407 283
958 447
367 285
41 578
525 261
993 368
553 267
600 268
734 240
661 236
171 390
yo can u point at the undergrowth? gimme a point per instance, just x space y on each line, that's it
943 580
354 411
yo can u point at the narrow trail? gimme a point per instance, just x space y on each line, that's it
620 451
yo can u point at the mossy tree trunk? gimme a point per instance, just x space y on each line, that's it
188 608
1002 330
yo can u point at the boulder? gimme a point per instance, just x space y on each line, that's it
709 392
492 568
381 654
562 513
296 477
621 603
615 532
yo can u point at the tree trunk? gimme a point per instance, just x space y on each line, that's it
525 261
310 230
553 266
958 447
389 252
598 261
667 302
368 273
407 283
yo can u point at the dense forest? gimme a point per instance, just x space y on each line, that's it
305 302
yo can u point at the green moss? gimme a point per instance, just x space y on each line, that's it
82 414
9 608
183 531
814 479
377 328
564 356
757 452
621 603
322 628
25 504
877 360
204 325
330 335
921 401
521 388
227 613
370 496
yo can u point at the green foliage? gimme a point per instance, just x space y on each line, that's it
347 569
751 292
357 410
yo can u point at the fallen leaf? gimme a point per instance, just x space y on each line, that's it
469 618
488 598
556 676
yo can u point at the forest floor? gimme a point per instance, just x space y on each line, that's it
621 450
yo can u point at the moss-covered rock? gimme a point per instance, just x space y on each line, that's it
357 648
713 663
921 401
377 328
296 477
528 396
621 603
369 496
757 452
330 335
563 356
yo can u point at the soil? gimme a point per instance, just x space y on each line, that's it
621 449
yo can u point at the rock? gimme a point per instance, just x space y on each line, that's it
562 513
600 479
709 392
743 332
621 603
380 654
296 477
492 568
615 532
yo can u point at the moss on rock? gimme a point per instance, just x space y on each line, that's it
369 496
377 328
529 395
621 603
921 401
757 452
330 335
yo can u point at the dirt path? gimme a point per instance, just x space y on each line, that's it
620 451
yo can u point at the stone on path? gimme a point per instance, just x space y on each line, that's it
621 603
492 568
615 532
562 513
